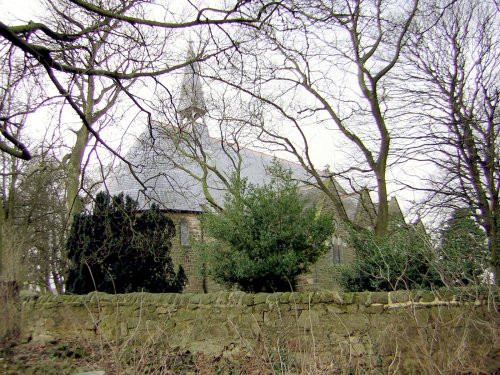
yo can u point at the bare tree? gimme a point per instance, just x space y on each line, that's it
95 96
90 52
321 65
455 75
40 216
20 95
32 210
148 41
93 52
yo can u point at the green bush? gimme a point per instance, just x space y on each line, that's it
463 252
404 259
117 249
265 236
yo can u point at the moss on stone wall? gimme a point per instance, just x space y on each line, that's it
315 326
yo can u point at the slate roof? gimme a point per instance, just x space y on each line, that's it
163 172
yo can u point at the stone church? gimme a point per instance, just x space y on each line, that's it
186 171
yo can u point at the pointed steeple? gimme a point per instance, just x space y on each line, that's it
192 102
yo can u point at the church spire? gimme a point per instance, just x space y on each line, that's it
192 102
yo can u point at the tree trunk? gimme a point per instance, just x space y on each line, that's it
73 202
382 222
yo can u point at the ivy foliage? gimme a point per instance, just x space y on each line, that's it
403 259
117 249
265 236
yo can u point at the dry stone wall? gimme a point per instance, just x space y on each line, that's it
372 330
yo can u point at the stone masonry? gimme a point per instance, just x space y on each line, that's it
396 330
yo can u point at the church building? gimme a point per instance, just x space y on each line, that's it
185 171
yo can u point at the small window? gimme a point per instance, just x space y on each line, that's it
184 233
336 249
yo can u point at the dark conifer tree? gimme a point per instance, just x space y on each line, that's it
117 249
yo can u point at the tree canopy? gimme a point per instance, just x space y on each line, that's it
265 236
404 259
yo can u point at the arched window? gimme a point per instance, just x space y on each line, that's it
336 249
184 233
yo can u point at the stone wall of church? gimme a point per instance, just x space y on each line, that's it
184 252
187 232
323 273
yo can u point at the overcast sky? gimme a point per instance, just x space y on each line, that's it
13 10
